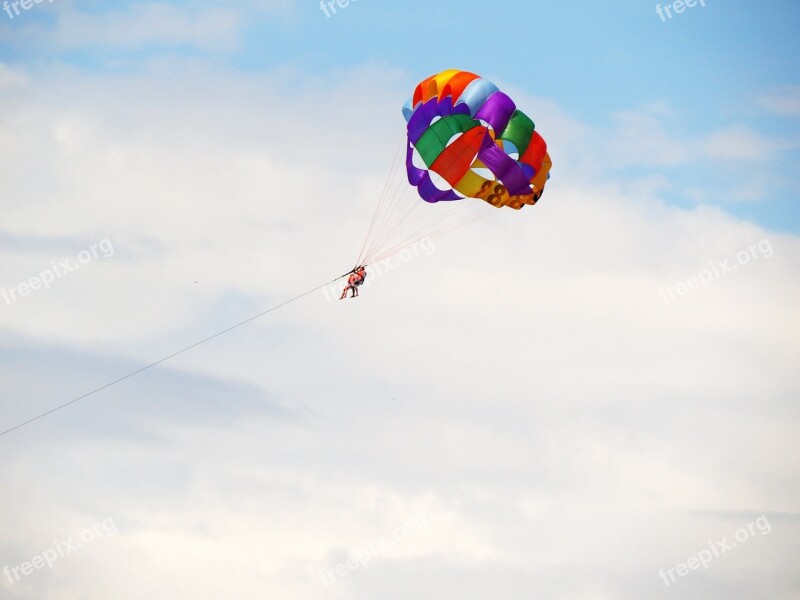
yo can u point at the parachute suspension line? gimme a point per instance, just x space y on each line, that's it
381 201
388 217
412 242
446 213
168 357
473 216
396 230
394 223
469 219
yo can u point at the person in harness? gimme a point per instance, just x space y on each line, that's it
362 275
355 279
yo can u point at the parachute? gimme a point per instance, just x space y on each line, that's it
465 141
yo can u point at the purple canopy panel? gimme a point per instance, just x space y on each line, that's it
421 119
497 111
427 112
505 169
415 175
430 193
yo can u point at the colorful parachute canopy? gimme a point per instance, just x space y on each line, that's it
466 139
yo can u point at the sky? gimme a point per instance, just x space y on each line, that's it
593 398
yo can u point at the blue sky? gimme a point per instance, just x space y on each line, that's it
712 66
550 390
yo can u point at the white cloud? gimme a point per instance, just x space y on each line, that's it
147 24
10 77
525 388
650 137
738 143
642 138
783 102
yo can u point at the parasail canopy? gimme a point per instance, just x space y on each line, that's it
467 139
